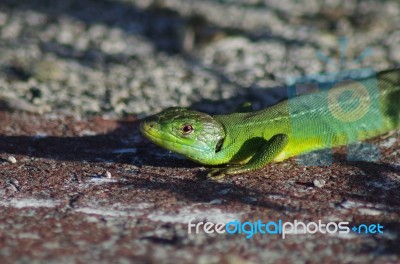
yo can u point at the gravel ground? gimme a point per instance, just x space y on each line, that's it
117 57
77 185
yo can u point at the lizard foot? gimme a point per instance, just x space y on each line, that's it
216 174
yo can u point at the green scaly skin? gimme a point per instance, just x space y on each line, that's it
248 141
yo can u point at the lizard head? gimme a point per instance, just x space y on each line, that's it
195 135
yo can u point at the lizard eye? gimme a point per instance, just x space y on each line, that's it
187 129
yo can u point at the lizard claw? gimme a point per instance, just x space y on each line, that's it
216 174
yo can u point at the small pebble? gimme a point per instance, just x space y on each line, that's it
216 201
108 175
12 159
249 199
319 183
225 191
11 188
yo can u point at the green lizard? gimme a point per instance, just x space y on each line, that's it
247 141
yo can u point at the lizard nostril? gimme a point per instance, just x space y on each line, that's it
145 125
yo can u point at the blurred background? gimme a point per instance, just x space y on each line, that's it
121 57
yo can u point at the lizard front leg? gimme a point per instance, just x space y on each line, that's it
268 150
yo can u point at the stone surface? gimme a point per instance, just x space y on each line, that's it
95 190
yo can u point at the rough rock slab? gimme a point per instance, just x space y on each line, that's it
95 190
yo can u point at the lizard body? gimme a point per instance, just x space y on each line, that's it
247 141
